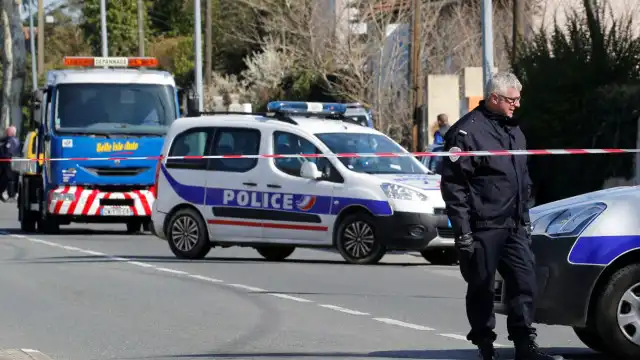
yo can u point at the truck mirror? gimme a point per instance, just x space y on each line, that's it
36 105
192 106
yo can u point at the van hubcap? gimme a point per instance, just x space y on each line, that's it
629 314
358 239
184 233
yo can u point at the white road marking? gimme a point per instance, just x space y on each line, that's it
205 278
403 324
172 271
289 297
344 310
241 286
141 264
247 287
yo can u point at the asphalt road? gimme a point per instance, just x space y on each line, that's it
93 292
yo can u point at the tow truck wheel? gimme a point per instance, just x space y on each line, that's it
358 241
440 256
28 223
48 226
590 337
617 316
133 227
187 235
275 252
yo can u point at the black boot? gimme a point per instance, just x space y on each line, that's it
528 349
487 351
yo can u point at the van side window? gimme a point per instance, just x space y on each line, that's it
235 141
286 144
192 142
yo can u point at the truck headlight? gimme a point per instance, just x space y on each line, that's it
399 192
569 221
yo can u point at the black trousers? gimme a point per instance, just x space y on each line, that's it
508 251
8 179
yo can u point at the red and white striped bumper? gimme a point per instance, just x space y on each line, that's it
75 200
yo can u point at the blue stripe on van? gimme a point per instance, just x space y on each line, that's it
306 203
602 250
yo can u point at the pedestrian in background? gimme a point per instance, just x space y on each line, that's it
9 148
442 128
486 200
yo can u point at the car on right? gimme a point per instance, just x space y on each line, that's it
587 255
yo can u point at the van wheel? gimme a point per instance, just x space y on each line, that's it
440 256
276 252
589 336
187 235
28 222
48 226
358 241
617 316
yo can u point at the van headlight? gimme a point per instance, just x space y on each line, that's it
399 192
568 222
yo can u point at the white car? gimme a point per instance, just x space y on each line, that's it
362 206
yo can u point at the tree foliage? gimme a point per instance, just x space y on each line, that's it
581 90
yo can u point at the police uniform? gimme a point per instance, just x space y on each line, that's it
487 200
9 148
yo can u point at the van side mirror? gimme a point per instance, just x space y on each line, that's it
192 105
309 170
36 105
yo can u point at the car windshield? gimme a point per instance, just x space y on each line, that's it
372 143
136 109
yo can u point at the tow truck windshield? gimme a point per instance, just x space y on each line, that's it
110 109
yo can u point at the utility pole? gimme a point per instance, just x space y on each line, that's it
40 37
416 72
208 42
197 19
32 43
140 28
103 26
518 26
487 42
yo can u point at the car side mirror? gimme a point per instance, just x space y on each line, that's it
309 170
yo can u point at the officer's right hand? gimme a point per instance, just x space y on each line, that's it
464 243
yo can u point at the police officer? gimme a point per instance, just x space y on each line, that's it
9 148
486 201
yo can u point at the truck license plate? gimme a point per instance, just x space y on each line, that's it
116 211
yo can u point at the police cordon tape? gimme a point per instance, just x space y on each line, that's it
352 155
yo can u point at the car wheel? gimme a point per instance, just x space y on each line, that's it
440 256
590 338
187 235
618 313
357 240
275 252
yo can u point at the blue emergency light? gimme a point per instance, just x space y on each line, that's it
306 107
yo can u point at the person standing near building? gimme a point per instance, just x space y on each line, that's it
443 127
486 200
9 148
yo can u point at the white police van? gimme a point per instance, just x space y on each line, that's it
363 206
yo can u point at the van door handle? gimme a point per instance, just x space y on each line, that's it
274 186
250 184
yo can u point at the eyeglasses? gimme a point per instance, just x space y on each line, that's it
510 100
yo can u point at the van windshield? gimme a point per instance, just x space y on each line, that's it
372 143
135 109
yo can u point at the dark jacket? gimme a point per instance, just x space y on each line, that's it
9 147
483 192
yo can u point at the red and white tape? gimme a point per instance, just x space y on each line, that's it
355 155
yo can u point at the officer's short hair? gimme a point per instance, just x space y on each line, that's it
500 82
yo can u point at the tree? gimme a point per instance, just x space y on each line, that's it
581 90
122 26
13 64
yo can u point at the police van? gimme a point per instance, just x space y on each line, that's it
237 179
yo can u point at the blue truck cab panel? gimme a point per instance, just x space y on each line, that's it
101 129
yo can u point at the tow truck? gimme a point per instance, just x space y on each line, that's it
89 121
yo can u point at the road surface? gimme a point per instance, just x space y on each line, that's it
93 292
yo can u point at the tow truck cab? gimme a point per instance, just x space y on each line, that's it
90 122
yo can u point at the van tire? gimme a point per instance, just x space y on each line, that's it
192 223
590 337
361 226
275 252
606 314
